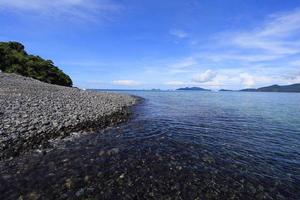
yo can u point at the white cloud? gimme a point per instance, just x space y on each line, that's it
282 25
38 4
276 38
268 46
178 71
204 77
295 63
271 45
291 77
126 82
256 79
247 80
175 83
179 33
186 62
221 57
296 79
80 9
265 55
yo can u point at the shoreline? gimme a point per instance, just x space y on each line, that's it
32 113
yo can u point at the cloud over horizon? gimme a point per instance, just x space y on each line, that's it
249 58
204 77
126 82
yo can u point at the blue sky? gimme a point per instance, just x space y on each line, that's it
134 44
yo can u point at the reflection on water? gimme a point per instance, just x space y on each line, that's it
178 145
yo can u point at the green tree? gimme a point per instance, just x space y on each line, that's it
14 59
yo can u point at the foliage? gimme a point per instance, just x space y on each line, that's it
14 59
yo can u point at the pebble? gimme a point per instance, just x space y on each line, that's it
80 192
69 183
113 151
32 112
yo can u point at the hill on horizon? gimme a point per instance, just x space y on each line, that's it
193 89
275 88
14 59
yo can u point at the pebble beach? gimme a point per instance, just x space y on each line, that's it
32 113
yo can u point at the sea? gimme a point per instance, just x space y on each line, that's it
183 145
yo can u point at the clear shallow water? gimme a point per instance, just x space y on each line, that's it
178 145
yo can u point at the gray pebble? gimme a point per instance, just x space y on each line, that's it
32 112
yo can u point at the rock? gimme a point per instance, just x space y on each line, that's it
122 176
69 183
208 159
87 179
113 151
33 196
101 153
80 192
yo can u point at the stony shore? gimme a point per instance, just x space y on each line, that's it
33 112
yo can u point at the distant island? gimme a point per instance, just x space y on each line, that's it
275 88
156 90
193 89
272 88
224 90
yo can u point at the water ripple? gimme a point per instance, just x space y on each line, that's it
178 145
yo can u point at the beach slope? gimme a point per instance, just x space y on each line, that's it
34 112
